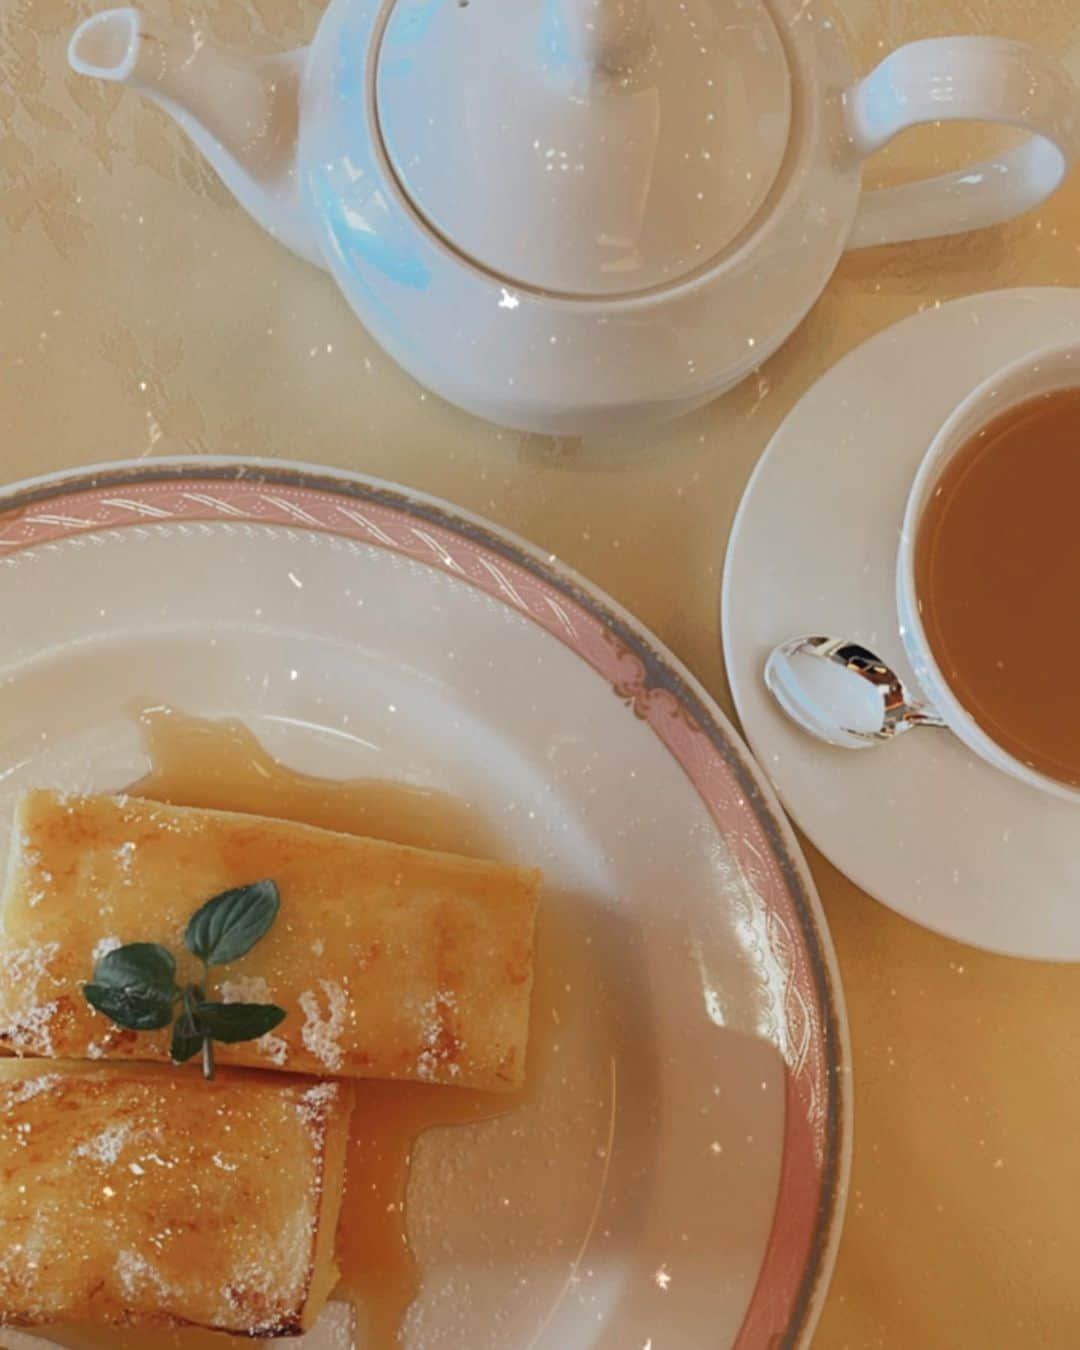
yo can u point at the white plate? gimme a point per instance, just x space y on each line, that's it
921 824
680 1180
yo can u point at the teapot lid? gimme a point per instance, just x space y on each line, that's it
584 147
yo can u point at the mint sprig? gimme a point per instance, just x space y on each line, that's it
135 986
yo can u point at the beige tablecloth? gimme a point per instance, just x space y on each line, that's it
141 313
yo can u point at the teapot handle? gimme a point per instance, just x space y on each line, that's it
981 79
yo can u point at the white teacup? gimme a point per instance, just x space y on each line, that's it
1043 372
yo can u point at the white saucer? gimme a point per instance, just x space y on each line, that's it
921 824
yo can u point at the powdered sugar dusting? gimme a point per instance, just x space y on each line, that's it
136 1275
107 1146
438 1044
255 1287
316 1101
23 970
21 1261
104 947
245 989
32 1032
25 1091
31 858
274 1049
322 1034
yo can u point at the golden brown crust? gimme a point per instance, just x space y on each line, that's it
136 1195
390 961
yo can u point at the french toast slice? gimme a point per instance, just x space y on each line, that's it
143 1195
390 962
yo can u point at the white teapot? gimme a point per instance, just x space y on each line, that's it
563 214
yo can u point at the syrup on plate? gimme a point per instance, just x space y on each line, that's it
221 765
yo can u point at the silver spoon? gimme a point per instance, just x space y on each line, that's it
842 693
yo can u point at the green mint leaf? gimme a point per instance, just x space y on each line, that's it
135 986
132 1010
140 967
186 1043
232 1022
229 925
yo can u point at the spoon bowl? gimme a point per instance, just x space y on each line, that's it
843 693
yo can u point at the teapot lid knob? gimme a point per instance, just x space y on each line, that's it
601 35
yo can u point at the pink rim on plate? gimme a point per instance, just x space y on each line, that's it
809 1206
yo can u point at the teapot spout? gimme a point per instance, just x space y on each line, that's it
243 115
